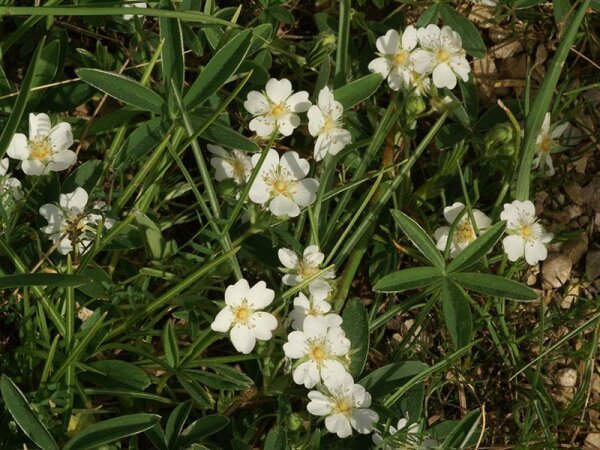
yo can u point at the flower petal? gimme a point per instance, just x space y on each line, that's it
282 206
39 125
256 103
236 293
306 192
222 320
288 258
514 247
443 76
18 148
242 339
61 136
262 324
278 90
338 424
260 296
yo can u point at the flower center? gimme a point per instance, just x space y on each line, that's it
546 144
242 313
280 182
342 406
306 270
464 233
400 58
317 352
278 110
328 124
525 231
442 55
239 170
40 149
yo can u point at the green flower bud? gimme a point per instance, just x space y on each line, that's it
324 45
415 105
508 149
502 133
294 422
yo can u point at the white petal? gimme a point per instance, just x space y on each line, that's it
423 61
546 125
514 247
262 324
76 200
535 252
298 102
319 405
306 192
443 76
259 191
315 120
217 150
242 339
65 246
315 327
263 126
338 342
481 220
388 44
409 38
18 148
39 125
4 166
461 67
332 369
288 258
278 90
222 320
259 296
236 293
61 136
559 130
326 101
296 347
299 167
291 279
34 167
319 288
312 255
429 36
256 103
363 420
282 206
381 66
54 215
288 123
338 424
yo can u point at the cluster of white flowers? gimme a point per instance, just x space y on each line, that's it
526 236
406 60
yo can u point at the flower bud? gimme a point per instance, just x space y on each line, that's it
415 105
324 46
502 133
294 422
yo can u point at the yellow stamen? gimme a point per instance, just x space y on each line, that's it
442 56
343 406
464 232
546 144
278 110
526 231
242 313
400 58
328 123
40 149
317 353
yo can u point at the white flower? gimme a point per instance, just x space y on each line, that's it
321 351
412 437
235 164
70 224
276 108
546 144
243 316
464 233
84 313
345 406
394 62
525 235
302 269
315 307
281 184
325 123
133 5
9 185
441 55
46 150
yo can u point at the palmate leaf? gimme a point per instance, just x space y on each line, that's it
477 249
457 313
420 238
494 285
412 278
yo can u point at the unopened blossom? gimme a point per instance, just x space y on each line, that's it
71 225
312 307
47 148
526 236
410 435
276 108
281 184
300 269
546 143
133 5
464 232
394 62
84 313
9 185
344 405
234 164
325 123
442 55
321 351
243 316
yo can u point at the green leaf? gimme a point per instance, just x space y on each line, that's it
403 280
42 279
172 52
115 373
19 408
47 67
388 378
465 434
358 90
200 429
418 237
478 248
356 325
471 40
85 176
221 66
170 345
11 125
276 439
457 313
494 285
176 422
429 16
111 430
123 88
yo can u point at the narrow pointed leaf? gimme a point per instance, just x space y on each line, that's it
420 238
200 429
357 91
356 325
176 422
403 280
42 279
457 313
477 249
123 88
17 405
494 285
